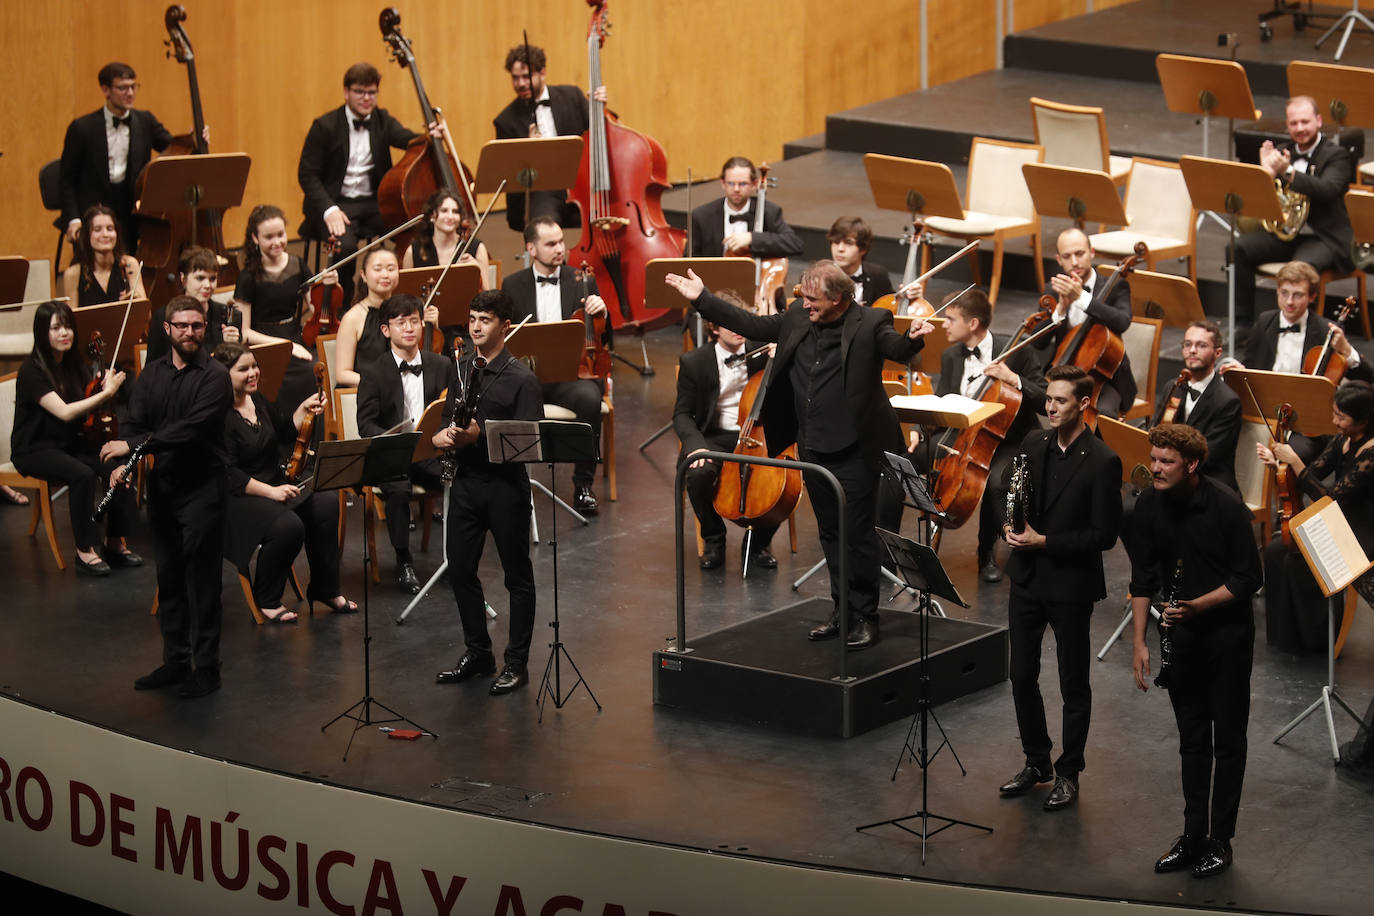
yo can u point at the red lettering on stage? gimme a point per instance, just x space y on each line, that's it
303 875
561 902
613 909
121 827
282 888
239 879
381 875
443 904
5 790
44 818
76 791
328 861
510 902
165 841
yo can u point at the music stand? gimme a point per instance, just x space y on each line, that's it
552 349
110 319
14 277
1168 297
1359 205
915 495
1132 445
532 164
212 181
1081 195
1345 94
922 572
554 442
428 425
272 361
354 464
1309 395
1237 189
1350 18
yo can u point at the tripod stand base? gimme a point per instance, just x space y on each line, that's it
924 832
550 686
363 719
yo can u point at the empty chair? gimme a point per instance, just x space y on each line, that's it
1076 136
1159 213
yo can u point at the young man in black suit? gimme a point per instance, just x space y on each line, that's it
726 226
396 388
105 151
540 110
706 417
850 238
1193 532
1209 405
1077 289
1056 576
827 396
548 290
1309 164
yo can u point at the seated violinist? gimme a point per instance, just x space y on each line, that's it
548 290
102 270
706 417
198 271
48 441
966 365
264 507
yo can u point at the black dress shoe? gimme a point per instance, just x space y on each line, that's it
988 571
1023 782
125 558
828 630
584 501
761 559
862 634
406 578
98 568
469 666
1064 794
511 677
1181 855
165 676
1214 859
712 556
201 682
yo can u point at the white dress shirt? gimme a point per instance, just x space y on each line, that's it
732 382
548 302
358 175
413 387
1288 353
974 365
543 116
732 227
1078 309
117 143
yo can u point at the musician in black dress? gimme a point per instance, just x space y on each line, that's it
441 233
101 269
267 509
1190 539
850 239
360 341
48 441
198 271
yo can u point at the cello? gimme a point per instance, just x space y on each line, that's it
619 190
1323 360
751 495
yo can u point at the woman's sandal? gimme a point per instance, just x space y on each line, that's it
284 616
348 607
13 496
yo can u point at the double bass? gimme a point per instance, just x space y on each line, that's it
619 190
752 495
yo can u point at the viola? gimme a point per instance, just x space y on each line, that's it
596 359
756 495
101 425
1290 494
327 300
1324 360
1168 408
619 190
304 448
769 273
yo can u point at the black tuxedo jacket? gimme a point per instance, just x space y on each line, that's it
1115 313
520 286
1330 171
1025 362
1216 414
1079 520
877 283
85 169
867 338
1263 343
698 393
381 400
777 240
570 115
324 157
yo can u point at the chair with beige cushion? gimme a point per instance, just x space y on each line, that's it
1142 348
10 476
1159 213
1076 136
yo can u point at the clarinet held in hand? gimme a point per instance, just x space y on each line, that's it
462 418
1019 494
1166 639
104 505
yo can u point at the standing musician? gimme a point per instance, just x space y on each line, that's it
1295 610
548 290
267 509
1056 576
1208 404
724 226
102 269
964 366
1190 538
827 396
47 442
1319 168
198 272
850 239
541 110
706 417
1078 303
490 497
177 412
345 156
395 388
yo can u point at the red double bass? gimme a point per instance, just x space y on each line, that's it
619 189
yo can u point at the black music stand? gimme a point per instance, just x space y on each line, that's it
915 495
358 463
921 569
553 442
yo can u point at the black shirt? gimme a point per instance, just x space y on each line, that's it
1209 529
182 411
253 450
35 428
275 299
159 344
817 375
507 390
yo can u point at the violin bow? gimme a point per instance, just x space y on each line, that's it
414 220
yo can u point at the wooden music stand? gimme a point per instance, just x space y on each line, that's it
1169 297
109 318
1207 87
430 422
1360 206
272 360
1236 189
554 347
14 277
926 410
1132 446
1081 195
733 274
531 164
455 293
1345 94
1310 396
913 186
140 313
214 181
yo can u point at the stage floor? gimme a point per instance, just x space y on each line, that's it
642 772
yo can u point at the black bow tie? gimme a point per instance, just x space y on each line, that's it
122 122
970 353
360 123
413 368
1290 329
545 102
1193 393
552 281
859 278
739 217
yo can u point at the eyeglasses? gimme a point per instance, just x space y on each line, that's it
183 326
365 93
409 321
126 87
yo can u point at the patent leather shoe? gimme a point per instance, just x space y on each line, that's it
511 677
584 501
164 676
988 571
862 634
828 630
406 578
1214 859
712 556
1064 794
760 559
1023 782
125 558
469 666
1181 855
98 567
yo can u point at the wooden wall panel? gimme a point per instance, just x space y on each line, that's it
962 38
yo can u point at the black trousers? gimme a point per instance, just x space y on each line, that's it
496 500
187 523
583 397
1028 615
860 485
364 222
85 475
992 511
313 524
1260 247
396 498
1210 693
700 484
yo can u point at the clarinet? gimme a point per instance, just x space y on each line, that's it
104 505
462 417
1166 639
1019 494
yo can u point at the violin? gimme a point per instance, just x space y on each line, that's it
1289 493
899 303
619 190
327 300
1168 409
769 273
304 448
101 425
1324 360
755 495
596 359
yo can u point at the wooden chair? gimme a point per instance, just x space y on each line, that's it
999 207
326 345
1076 136
1159 213
10 476
1142 347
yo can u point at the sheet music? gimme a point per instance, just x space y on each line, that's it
1322 547
955 403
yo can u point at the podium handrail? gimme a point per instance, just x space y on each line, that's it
679 516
